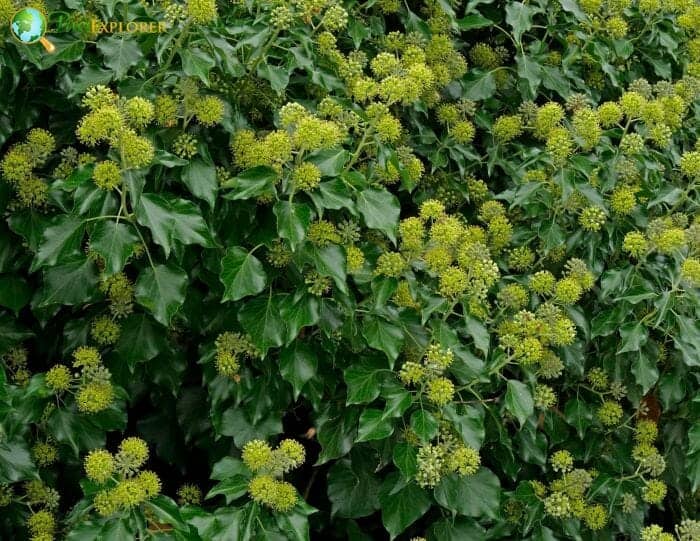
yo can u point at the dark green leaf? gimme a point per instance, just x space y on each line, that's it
72 283
15 462
384 336
401 504
251 183
261 319
477 495
519 400
200 179
172 221
471 22
363 380
478 85
140 340
292 221
15 293
424 424
374 425
120 53
162 291
242 274
60 241
196 63
114 242
405 459
519 18
380 209
353 487
298 364
634 336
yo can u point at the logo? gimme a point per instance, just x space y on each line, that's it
64 22
28 26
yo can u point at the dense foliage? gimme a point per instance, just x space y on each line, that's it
351 270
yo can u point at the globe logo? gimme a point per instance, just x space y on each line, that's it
28 26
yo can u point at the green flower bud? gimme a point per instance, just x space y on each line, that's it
58 378
99 466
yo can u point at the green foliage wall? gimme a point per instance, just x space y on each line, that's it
330 269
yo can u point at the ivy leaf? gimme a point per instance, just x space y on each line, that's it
75 431
292 221
233 477
298 311
114 242
330 161
451 529
251 183
687 340
374 425
196 63
120 53
471 22
478 85
71 284
363 380
167 512
380 209
469 422
529 71
353 487
15 462
298 364
477 495
579 415
278 77
200 179
634 336
572 6
15 293
161 290
424 424
140 340
405 458
479 334
519 400
242 274
333 194
337 430
519 17
261 319
295 524
384 336
235 423
330 261
646 374
60 241
401 504
172 221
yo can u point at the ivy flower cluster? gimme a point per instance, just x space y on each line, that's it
428 376
445 456
123 484
18 168
457 254
568 495
268 466
301 132
116 122
91 385
230 347
41 501
671 236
